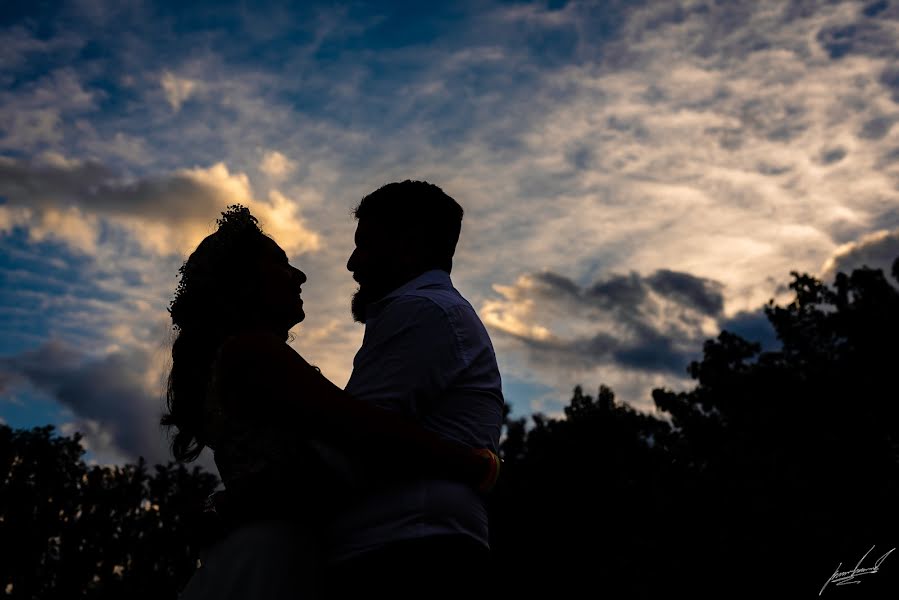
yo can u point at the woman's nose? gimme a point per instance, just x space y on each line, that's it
300 276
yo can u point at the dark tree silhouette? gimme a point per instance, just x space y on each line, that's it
774 469
579 507
797 448
70 531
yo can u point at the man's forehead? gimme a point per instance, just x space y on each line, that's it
368 228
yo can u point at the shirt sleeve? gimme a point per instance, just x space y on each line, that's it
412 355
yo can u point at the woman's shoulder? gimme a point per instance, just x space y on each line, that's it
254 346
255 340
261 352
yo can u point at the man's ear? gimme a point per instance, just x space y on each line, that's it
416 249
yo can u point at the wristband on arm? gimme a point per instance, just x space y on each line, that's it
488 481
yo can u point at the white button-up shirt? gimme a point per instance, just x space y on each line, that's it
427 354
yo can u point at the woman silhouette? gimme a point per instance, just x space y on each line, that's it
290 446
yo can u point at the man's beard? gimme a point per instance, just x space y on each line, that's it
362 298
372 291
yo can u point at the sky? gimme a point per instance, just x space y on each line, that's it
636 177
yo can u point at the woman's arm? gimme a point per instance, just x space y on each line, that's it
388 441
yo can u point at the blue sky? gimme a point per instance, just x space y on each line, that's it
636 176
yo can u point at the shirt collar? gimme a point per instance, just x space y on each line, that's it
432 277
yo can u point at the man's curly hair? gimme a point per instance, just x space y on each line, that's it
213 297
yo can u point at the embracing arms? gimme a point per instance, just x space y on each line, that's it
393 444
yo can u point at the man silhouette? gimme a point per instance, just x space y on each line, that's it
426 354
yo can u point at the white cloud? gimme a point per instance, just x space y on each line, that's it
71 226
11 217
31 115
276 165
167 214
96 439
177 89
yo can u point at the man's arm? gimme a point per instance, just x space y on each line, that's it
387 440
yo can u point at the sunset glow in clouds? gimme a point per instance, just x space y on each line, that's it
635 177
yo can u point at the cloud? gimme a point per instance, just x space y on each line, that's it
720 140
276 165
876 250
99 440
654 323
704 294
21 45
32 112
115 398
166 214
177 89
753 326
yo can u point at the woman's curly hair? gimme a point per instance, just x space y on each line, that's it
214 297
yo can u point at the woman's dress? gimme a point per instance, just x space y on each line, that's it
280 487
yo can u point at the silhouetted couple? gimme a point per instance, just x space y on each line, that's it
374 491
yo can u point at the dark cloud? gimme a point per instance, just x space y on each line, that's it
665 14
875 8
648 323
618 291
868 38
786 131
558 283
800 9
626 293
881 9
773 170
698 292
843 231
773 119
631 125
830 156
654 95
876 128
724 30
581 158
889 158
729 138
890 78
888 219
107 394
753 326
653 351
877 251
93 186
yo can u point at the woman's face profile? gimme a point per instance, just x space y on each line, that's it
279 287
